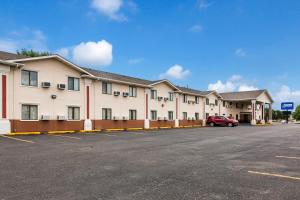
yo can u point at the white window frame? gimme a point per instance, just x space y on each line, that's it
132 91
132 117
171 96
106 118
74 78
153 94
108 88
169 118
73 113
29 104
153 111
184 115
30 71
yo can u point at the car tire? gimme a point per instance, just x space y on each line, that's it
230 125
211 124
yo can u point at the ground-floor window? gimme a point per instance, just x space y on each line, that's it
153 115
184 115
196 116
73 113
206 115
106 113
29 112
132 114
170 115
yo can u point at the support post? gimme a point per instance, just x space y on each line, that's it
263 113
270 114
147 121
253 119
177 110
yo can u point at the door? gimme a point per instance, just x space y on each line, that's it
245 117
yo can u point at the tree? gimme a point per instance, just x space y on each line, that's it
296 114
31 53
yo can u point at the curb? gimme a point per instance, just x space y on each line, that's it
60 132
23 133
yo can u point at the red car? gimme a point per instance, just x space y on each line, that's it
221 121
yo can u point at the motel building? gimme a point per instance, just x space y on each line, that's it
50 93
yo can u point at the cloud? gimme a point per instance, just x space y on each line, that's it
24 38
135 61
196 28
175 72
203 4
286 94
234 83
110 8
93 53
64 52
240 52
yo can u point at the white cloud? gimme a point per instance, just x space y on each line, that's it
93 53
64 52
175 72
109 8
24 38
240 52
196 28
203 4
234 83
286 94
135 61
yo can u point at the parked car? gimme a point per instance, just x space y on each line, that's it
221 121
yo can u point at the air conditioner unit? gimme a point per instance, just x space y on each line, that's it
193 118
166 99
165 118
46 84
61 117
115 118
125 118
159 98
189 119
116 93
125 94
45 117
160 118
61 86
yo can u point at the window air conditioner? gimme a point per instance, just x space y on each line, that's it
61 86
46 84
61 117
45 117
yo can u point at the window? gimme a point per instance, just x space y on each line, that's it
206 115
106 113
184 98
106 88
29 78
207 101
29 112
153 94
73 113
197 100
132 91
216 102
170 115
230 103
153 115
132 114
224 103
184 115
171 96
196 116
237 117
73 84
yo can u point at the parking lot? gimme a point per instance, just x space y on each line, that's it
201 163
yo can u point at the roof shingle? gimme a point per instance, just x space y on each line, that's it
246 95
10 56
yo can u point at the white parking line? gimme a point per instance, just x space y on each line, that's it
275 175
71 137
288 157
21 140
295 148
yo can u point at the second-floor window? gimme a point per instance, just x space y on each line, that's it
73 84
73 113
153 94
106 113
216 102
171 96
106 88
132 115
132 91
224 103
207 101
197 100
184 115
184 98
29 78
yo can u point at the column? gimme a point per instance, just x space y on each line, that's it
4 121
146 120
270 114
263 113
87 121
177 110
204 112
253 119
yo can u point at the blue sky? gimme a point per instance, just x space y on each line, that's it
205 44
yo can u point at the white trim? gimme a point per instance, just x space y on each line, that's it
167 81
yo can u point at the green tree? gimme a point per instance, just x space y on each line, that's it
32 53
296 114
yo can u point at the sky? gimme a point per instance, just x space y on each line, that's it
232 45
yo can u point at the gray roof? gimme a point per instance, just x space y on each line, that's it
118 77
10 56
193 91
246 95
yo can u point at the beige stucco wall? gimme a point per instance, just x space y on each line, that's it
162 107
5 70
212 109
55 72
264 98
120 105
191 108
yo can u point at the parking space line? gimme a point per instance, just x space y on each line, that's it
295 148
108 135
71 137
274 175
288 157
18 139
